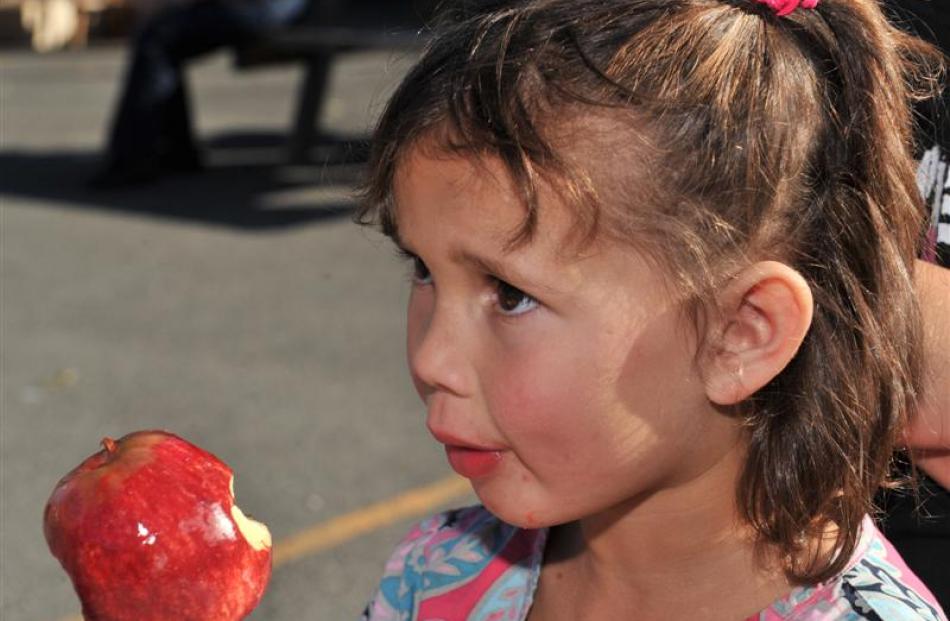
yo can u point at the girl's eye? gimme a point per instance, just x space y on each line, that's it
513 301
420 273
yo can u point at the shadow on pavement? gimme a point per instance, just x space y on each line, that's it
246 186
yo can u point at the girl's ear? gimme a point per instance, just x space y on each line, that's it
766 311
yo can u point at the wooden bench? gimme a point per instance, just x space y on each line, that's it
329 28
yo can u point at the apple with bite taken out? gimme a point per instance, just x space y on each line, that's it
148 530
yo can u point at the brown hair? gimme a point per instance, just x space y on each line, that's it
733 135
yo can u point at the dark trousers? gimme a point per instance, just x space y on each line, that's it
152 126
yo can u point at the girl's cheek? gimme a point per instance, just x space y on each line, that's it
537 398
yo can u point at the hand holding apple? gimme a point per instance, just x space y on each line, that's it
148 530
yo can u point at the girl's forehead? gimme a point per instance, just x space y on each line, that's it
430 187
425 166
433 187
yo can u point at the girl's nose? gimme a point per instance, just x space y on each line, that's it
437 358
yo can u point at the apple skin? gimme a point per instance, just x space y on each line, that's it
147 530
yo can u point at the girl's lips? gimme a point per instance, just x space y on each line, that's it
472 463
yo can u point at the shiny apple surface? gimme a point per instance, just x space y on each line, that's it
148 531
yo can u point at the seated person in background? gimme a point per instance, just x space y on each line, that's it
151 132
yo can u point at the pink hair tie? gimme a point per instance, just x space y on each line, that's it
784 7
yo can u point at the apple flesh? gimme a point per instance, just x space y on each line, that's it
147 530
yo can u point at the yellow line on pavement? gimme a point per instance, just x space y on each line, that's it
337 531
329 534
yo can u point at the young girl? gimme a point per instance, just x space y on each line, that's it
662 312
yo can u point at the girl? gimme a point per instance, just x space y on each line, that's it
662 312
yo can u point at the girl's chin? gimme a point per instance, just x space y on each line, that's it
511 509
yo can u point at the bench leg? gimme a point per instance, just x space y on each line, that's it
309 106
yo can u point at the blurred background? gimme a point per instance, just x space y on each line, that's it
216 288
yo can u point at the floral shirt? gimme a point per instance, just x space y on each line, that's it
467 565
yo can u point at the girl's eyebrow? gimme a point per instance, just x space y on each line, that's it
499 271
484 264
401 247
461 256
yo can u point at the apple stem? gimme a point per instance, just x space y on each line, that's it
109 445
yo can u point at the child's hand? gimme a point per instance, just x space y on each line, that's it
929 431
928 435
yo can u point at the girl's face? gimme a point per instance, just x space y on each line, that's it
563 385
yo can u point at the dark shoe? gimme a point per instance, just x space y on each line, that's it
116 178
187 162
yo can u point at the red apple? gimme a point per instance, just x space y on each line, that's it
148 530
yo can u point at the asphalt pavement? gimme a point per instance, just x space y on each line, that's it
240 308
